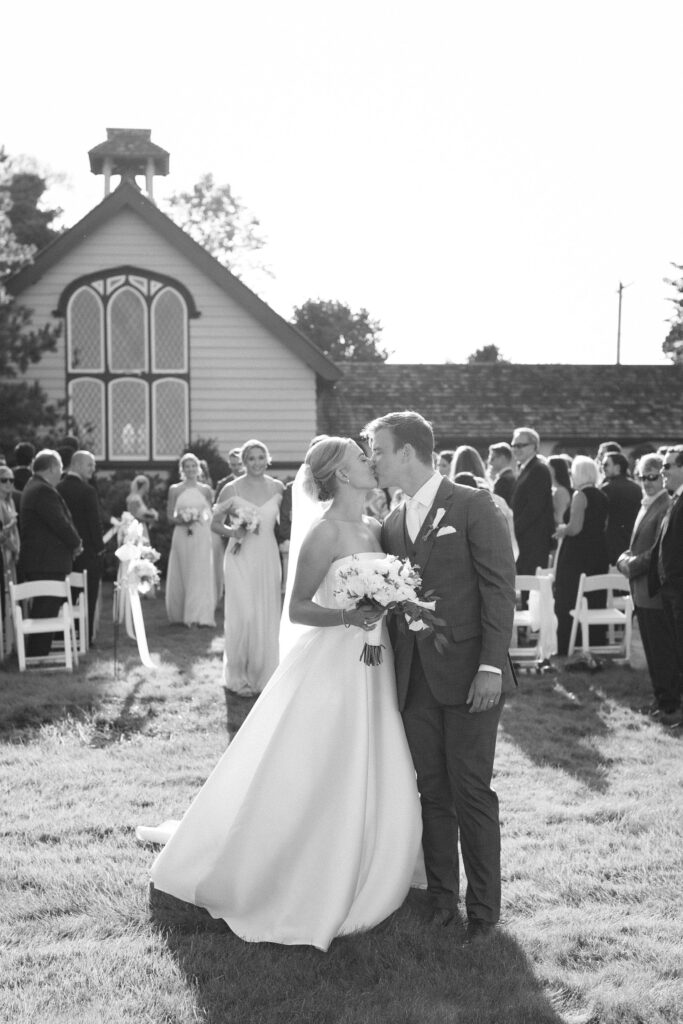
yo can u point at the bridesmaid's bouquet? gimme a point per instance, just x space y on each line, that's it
392 584
190 516
239 515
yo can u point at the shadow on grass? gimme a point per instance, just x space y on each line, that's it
403 972
110 691
556 720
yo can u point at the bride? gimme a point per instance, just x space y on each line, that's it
309 827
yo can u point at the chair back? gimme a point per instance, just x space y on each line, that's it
41 588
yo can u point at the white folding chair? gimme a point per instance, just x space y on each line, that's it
537 617
62 623
617 615
79 581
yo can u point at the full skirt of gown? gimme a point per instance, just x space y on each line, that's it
190 589
253 602
309 827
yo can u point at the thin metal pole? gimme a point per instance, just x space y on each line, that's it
620 290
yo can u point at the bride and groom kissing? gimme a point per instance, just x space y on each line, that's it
312 824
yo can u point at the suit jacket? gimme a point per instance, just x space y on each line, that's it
623 500
283 527
534 517
670 543
471 571
635 563
48 535
81 500
504 485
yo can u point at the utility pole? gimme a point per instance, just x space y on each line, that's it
620 292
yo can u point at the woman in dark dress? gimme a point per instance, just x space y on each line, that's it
582 547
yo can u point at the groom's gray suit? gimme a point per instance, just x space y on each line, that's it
467 561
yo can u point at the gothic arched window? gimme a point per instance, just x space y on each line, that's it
127 363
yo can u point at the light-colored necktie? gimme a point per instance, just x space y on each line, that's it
413 517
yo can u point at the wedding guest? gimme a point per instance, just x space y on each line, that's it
561 487
236 469
81 499
444 460
190 589
9 535
252 572
501 470
583 547
467 459
468 462
658 640
532 503
665 575
23 457
136 504
623 504
49 540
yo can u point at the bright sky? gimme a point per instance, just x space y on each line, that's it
471 173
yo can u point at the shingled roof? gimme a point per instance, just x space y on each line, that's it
480 403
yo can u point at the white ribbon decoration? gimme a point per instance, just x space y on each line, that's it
128 609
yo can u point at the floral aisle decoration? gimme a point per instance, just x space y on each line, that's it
240 515
137 575
394 585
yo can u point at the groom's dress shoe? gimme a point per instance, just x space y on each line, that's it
477 931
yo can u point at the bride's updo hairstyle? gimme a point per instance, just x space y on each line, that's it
324 458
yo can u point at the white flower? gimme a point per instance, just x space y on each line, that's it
127 552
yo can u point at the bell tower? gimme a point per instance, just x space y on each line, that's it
129 152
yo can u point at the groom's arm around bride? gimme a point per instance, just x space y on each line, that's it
451 699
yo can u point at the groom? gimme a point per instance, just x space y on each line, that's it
451 700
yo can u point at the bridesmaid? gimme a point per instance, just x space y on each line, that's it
252 574
190 591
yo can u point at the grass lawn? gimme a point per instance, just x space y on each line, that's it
592 814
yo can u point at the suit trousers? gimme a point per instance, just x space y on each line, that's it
38 644
453 753
672 601
660 652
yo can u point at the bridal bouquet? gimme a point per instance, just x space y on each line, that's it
389 583
189 516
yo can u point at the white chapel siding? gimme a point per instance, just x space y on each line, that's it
244 381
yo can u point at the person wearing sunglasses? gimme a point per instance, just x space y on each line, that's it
666 569
532 503
655 630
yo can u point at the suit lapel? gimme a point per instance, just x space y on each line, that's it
394 526
427 535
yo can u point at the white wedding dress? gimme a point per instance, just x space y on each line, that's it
309 827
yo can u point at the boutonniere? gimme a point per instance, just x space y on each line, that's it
438 516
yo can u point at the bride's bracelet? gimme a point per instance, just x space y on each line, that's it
346 625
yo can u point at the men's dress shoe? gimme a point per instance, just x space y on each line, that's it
651 710
477 931
672 718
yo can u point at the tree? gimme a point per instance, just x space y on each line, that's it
487 354
24 406
220 223
672 345
340 333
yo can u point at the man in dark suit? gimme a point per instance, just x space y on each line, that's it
666 568
623 504
49 539
23 457
81 498
451 700
500 463
236 469
532 503
655 630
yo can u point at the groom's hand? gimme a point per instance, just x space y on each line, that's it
484 693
